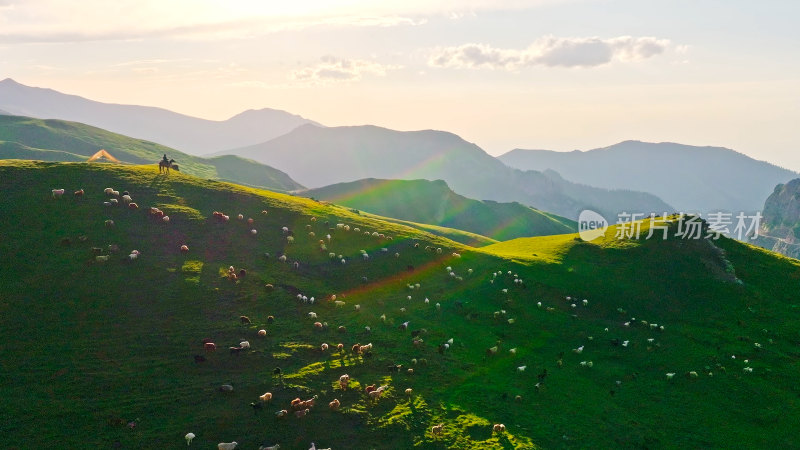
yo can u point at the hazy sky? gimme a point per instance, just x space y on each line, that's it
553 74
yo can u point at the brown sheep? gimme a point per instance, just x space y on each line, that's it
210 346
334 405
245 320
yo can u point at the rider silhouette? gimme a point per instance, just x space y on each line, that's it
165 159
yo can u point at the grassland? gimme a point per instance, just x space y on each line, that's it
90 345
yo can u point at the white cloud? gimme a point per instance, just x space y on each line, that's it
332 69
549 51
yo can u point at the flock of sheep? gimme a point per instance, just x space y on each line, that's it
301 408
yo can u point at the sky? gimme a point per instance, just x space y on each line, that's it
537 74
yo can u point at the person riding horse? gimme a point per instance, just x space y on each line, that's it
165 164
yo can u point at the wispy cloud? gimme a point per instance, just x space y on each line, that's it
549 51
57 21
332 69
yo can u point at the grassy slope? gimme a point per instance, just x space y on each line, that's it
463 237
94 341
65 140
432 202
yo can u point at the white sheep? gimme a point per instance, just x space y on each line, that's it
339 303
521 368
244 344
578 350
253 231
227 445
670 375
57 193
127 199
312 315
189 437
165 218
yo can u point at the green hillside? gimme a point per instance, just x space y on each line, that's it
432 202
91 346
463 237
58 140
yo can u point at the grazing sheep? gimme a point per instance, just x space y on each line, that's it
57 193
165 219
341 329
491 351
210 346
578 350
265 397
189 437
274 447
323 347
127 199
338 303
227 445
262 333
692 374
109 223
436 430
236 350
245 320
499 428
281 413
318 325
184 248
101 258
244 344
254 232
312 315
409 391
302 413
670 375
282 258
334 405
226 388
78 193
521 368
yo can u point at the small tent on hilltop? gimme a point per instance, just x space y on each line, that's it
102 154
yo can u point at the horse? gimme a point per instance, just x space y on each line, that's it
164 166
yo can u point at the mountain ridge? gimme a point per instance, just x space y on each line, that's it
189 134
317 157
728 180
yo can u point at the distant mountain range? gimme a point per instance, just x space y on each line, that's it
318 156
692 179
188 134
59 140
432 202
